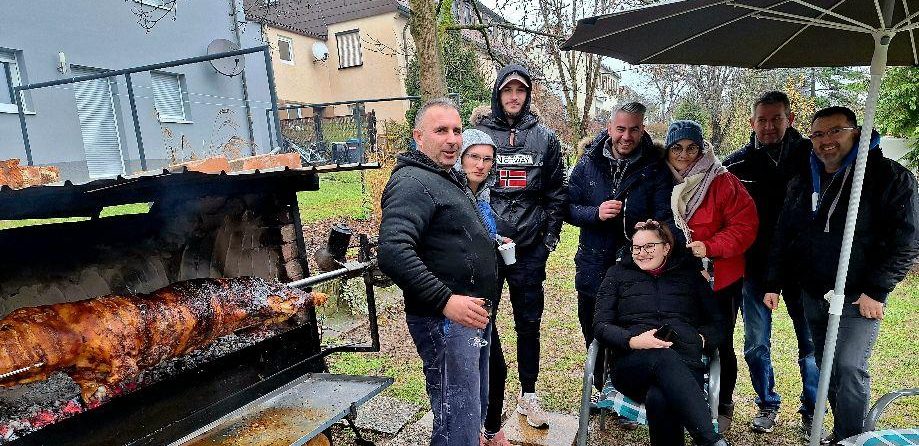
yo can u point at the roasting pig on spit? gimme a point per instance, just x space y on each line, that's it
104 341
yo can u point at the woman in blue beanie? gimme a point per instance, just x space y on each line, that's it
719 221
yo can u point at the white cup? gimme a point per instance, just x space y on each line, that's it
507 253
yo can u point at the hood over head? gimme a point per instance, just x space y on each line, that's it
497 111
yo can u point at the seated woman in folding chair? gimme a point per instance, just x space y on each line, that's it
660 288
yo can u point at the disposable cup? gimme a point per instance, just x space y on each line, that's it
507 253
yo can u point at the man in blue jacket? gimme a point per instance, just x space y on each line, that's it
621 180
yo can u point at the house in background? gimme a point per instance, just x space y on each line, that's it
86 128
336 50
606 96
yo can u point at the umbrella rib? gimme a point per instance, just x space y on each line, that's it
805 19
829 25
808 23
728 2
909 17
881 21
909 29
834 14
658 19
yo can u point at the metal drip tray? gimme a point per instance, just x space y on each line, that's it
292 414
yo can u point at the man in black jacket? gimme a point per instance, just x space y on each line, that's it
529 200
775 154
808 243
438 251
621 180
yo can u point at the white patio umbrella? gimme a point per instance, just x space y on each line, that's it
771 34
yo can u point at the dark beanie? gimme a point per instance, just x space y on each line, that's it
690 130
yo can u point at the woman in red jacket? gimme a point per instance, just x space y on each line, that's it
719 220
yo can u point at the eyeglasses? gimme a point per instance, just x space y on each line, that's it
831 132
647 247
479 159
678 150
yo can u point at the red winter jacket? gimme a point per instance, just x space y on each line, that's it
726 222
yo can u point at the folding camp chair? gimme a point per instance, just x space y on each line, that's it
885 437
614 400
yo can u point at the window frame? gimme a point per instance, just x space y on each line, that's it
360 50
183 98
290 50
11 58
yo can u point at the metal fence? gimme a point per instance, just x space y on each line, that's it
134 96
347 138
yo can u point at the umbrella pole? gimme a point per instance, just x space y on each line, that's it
878 65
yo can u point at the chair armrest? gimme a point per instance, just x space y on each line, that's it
881 405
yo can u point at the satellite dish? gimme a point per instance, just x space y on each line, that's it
228 66
320 52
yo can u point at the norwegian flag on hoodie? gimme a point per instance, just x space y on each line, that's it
512 178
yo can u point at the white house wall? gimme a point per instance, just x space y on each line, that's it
104 34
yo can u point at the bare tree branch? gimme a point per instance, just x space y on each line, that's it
484 26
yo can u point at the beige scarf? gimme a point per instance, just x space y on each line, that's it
691 187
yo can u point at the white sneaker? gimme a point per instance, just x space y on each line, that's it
528 406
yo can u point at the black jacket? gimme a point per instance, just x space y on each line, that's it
645 190
766 181
631 301
432 241
886 242
529 198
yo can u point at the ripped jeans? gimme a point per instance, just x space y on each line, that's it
456 377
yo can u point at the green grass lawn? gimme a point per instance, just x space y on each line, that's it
108 211
893 365
339 195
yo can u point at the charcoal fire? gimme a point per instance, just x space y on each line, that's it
105 341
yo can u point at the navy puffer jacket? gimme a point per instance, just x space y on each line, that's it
645 191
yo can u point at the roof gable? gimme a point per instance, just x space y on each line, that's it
313 17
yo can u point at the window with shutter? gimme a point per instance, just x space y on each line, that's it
168 96
349 49
7 103
286 50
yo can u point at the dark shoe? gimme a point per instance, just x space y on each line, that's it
829 439
764 421
807 423
725 417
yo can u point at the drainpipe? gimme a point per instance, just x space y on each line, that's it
234 6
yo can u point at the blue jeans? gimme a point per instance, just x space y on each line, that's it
758 348
850 384
455 375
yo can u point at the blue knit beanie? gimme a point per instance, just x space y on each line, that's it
690 130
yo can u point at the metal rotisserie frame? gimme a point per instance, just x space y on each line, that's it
182 403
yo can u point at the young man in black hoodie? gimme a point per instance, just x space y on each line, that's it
438 251
776 153
529 200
